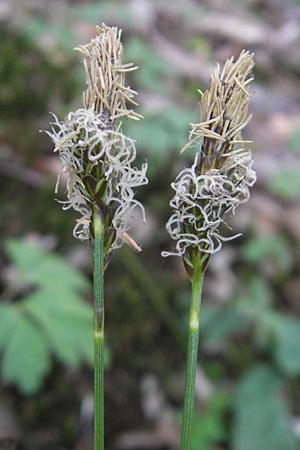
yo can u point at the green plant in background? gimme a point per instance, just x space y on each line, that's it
294 141
208 429
161 132
261 414
216 184
166 125
153 69
285 182
18 80
98 159
42 314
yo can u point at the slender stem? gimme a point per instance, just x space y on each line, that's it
192 355
98 267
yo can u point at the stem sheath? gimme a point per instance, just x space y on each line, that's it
98 268
192 355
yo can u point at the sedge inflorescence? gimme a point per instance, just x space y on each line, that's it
95 154
221 175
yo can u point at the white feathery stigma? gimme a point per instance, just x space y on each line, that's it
221 175
82 141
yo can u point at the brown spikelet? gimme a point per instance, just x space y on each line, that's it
224 110
105 75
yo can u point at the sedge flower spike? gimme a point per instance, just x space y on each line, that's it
221 175
95 154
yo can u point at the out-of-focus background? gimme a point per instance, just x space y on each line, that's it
247 390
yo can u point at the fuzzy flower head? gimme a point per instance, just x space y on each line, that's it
96 156
221 175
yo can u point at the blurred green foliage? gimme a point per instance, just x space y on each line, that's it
261 413
273 248
97 12
285 184
50 319
166 128
153 70
294 141
273 332
251 328
208 428
33 32
159 134
287 350
29 79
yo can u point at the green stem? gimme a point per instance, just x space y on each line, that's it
98 268
192 355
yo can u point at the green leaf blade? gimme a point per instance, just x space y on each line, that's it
287 352
26 359
42 268
53 320
67 323
261 414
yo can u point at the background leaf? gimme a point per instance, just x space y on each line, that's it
275 247
26 358
261 414
36 265
287 345
67 323
218 324
285 184
51 320
208 428
8 317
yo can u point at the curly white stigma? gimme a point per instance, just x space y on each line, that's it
220 178
201 200
83 143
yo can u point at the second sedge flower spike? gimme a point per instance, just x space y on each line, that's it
93 150
221 175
